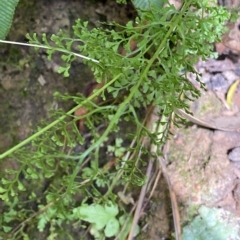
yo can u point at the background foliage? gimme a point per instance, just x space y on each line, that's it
7 8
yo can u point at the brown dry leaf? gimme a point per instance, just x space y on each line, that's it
88 91
78 113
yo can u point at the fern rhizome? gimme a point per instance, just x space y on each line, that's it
143 65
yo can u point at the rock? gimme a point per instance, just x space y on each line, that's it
234 155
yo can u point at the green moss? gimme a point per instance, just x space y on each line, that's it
211 224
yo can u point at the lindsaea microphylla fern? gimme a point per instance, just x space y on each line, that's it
168 42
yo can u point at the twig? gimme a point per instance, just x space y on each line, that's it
140 201
33 216
41 211
153 188
176 217
160 130
202 123
126 221
154 185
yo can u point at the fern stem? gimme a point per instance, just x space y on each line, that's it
127 101
46 47
29 139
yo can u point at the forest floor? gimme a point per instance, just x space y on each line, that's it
203 162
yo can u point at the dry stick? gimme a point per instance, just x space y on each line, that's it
140 201
126 222
45 207
165 173
201 123
41 211
127 156
149 123
160 130
152 191
154 186
152 125
176 216
34 215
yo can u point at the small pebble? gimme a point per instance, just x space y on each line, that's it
234 155
41 80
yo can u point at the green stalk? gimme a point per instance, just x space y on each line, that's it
29 139
124 104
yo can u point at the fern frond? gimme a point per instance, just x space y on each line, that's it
7 9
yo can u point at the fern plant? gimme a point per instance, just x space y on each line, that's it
7 8
53 162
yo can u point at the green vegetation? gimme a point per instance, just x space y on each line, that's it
61 180
7 11
212 223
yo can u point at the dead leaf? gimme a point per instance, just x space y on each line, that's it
88 91
78 113
231 92
126 199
